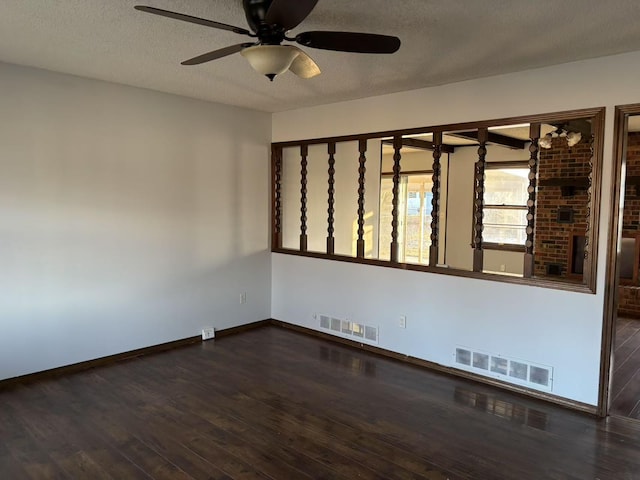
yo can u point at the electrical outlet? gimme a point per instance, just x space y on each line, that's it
208 333
243 298
503 268
402 321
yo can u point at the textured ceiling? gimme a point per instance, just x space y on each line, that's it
443 41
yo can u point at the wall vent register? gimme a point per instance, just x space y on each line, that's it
509 369
352 330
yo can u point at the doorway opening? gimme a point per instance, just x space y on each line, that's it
620 382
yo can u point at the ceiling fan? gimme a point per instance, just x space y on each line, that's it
270 22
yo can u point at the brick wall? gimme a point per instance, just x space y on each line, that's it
552 238
629 295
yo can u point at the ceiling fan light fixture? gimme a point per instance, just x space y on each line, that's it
270 60
270 20
545 142
573 138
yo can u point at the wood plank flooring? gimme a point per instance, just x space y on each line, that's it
274 404
625 387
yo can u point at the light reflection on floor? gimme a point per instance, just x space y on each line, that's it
353 363
514 412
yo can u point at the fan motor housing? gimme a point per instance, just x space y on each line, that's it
255 11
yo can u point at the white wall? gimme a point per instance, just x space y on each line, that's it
551 327
128 218
411 160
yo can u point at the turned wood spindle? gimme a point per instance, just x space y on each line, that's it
331 200
276 168
362 147
478 254
303 197
534 149
586 277
435 201
397 146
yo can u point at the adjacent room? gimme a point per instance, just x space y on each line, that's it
281 239
625 393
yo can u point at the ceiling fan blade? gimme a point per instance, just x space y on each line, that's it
289 13
349 42
222 52
190 19
303 66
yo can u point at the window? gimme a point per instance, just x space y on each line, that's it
505 204
414 217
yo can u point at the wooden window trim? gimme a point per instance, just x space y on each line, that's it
505 207
507 247
507 164
538 282
595 114
408 172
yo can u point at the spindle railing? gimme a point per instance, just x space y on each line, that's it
482 134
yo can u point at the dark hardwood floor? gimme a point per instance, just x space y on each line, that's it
625 387
274 404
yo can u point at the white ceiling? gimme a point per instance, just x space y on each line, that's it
443 41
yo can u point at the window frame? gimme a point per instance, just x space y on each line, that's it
595 115
499 165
